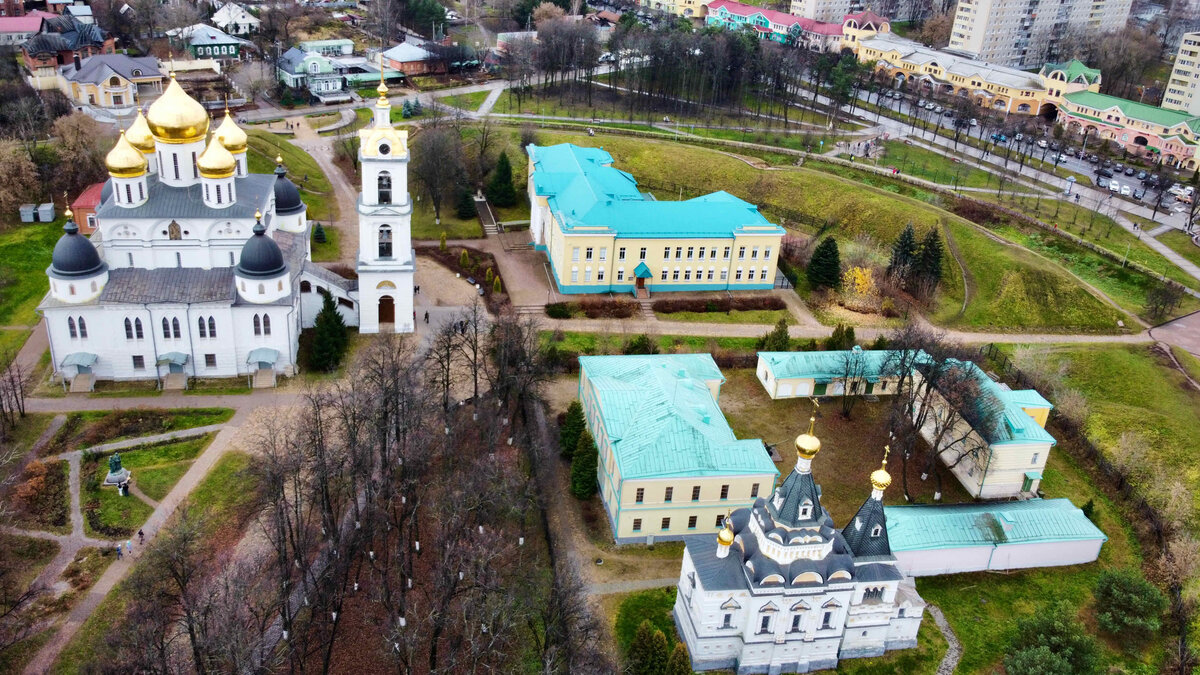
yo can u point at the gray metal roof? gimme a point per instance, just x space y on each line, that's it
168 284
329 277
797 489
290 61
164 201
858 531
99 68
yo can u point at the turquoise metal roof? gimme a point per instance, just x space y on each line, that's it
823 366
1018 426
585 191
941 526
662 421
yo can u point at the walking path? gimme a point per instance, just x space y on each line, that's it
953 648
320 148
146 440
612 587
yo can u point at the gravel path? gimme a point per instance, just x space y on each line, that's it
612 587
954 648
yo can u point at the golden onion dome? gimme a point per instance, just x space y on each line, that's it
124 160
176 117
215 161
725 536
139 134
808 445
880 478
232 137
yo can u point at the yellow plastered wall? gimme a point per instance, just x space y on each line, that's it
1040 415
654 507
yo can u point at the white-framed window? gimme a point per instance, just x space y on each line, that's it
575 254
727 250
603 253
664 274
621 254
678 252
600 274
621 274
741 253
666 253
587 274
574 274
642 253
1035 458
724 275
675 274
764 274
587 254
691 250
738 275
687 274
767 253
754 253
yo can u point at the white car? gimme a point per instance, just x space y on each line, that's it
1042 143
1125 191
1114 186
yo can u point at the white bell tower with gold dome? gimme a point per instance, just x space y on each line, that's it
385 255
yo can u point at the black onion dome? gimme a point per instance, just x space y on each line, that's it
261 257
287 195
74 256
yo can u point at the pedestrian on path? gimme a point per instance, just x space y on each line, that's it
426 317
118 550
129 547
141 537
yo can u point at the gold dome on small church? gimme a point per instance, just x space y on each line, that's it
232 137
808 445
124 160
725 536
215 161
176 117
139 135
880 478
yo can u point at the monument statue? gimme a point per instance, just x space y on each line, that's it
114 463
116 474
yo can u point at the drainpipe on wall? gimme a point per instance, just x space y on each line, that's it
983 478
153 340
191 342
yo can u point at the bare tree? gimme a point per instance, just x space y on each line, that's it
437 164
853 370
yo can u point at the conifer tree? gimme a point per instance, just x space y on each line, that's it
500 189
904 254
679 663
319 234
572 427
406 110
497 287
648 653
928 267
330 336
464 206
825 267
775 340
584 463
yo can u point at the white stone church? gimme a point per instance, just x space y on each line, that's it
780 589
199 268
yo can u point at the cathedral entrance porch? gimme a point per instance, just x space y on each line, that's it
387 311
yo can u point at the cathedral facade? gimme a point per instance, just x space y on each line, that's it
780 589
199 268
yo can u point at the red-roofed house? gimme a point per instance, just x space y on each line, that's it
787 29
16 29
84 207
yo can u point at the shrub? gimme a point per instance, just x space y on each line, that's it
443 241
560 310
319 234
776 340
640 344
571 429
496 286
1037 661
679 663
464 205
605 308
977 212
464 260
648 653
750 303
1128 605
1056 630
1089 510
825 268
584 464
888 308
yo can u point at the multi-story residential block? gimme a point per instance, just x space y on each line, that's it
1025 34
1183 89
602 234
669 465
826 11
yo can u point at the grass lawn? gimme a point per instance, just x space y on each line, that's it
84 429
424 227
1189 362
11 340
156 468
88 644
24 255
106 514
652 605
611 343
125 389
1182 244
15 658
50 509
917 161
331 250
1013 289
469 102
769 317
156 481
29 555
319 120
362 117
780 139
201 386
315 188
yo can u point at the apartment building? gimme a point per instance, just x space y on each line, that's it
1024 33
828 11
1183 89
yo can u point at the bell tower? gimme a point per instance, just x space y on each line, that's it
385 255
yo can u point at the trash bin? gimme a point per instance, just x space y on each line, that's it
28 213
46 212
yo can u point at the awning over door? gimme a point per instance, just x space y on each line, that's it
263 355
642 271
172 359
80 359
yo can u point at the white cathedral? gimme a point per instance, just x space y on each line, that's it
199 268
781 590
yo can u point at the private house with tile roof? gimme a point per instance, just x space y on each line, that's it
84 207
58 42
200 268
1005 461
931 539
602 233
669 466
17 28
782 589
768 24
1172 136
206 42
113 82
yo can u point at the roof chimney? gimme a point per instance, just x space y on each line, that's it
78 62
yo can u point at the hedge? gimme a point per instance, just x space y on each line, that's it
599 308
761 302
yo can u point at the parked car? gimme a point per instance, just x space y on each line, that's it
1094 159
1139 193
1104 172
1107 164
1141 175
938 108
974 122
1000 138
948 113
1126 191
1101 182
1130 171
1042 143
1114 186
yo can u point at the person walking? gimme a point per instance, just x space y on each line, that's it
118 550
129 547
141 537
426 317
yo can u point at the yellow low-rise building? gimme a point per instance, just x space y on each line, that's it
602 234
669 465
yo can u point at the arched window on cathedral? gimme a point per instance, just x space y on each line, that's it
137 328
175 327
128 329
257 325
262 289
385 187
212 327
305 287
82 328
266 325
385 241
166 328
203 327
71 327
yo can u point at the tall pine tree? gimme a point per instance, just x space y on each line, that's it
572 427
825 266
500 190
679 663
464 205
648 653
584 464
330 336
928 267
904 253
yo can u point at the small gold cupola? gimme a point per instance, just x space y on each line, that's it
232 136
139 134
124 160
216 161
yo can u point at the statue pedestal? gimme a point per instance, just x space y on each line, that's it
117 478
